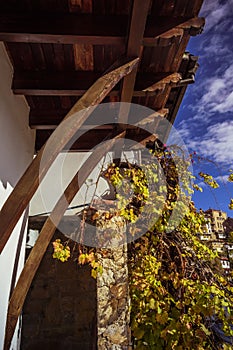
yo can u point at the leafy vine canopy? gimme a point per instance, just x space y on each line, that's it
180 298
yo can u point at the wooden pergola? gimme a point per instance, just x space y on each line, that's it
70 55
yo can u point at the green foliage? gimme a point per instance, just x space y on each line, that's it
174 292
61 252
230 177
231 204
198 188
208 179
131 184
176 284
91 259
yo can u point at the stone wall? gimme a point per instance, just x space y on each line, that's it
60 309
67 309
113 301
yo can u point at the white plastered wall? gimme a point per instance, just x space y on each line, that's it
16 152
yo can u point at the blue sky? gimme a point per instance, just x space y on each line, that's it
205 118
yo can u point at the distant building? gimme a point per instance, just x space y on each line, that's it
207 234
225 264
217 219
228 224
229 247
216 233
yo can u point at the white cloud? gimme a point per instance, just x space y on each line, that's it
212 95
215 42
183 130
216 85
225 106
216 14
222 178
216 144
217 95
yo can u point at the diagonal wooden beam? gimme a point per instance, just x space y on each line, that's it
20 292
29 182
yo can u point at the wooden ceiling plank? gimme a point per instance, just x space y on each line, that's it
24 60
69 57
65 102
180 7
98 6
87 6
86 29
197 7
75 5
59 58
48 54
83 57
29 182
168 7
122 7
38 56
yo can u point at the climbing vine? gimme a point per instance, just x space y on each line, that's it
179 295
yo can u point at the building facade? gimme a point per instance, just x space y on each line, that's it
216 233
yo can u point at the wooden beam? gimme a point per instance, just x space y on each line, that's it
20 292
175 107
29 182
41 120
87 29
193 26
135 37
63 28
19 250
92 137
134 45
46 83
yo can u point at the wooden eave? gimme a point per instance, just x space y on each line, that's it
59 49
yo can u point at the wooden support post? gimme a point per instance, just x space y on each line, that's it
29 182
50 225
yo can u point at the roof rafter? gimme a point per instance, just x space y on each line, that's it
88 29
47 83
